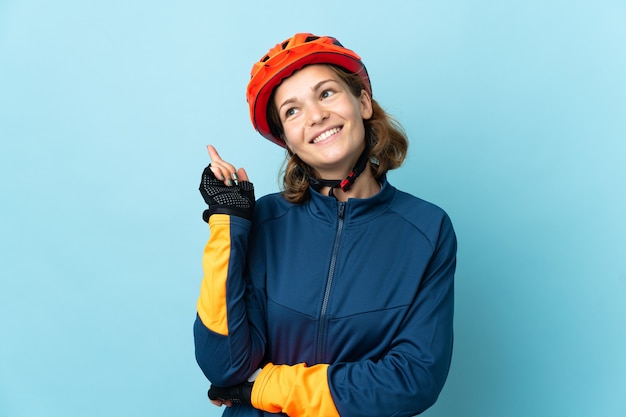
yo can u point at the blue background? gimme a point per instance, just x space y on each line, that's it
517 117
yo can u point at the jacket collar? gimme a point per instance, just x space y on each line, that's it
355 209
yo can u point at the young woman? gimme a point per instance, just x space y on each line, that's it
335 296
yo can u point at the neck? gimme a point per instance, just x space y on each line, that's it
364 186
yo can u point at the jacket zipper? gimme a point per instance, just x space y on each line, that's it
321 335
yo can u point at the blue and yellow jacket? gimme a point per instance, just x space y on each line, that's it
346 307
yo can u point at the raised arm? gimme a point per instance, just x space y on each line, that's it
229 330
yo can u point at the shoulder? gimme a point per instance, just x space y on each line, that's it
271 206
430 219
415 205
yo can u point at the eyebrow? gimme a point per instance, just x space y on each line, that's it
315 87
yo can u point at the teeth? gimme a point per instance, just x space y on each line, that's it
326 134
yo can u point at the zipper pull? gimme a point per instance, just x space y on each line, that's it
341 209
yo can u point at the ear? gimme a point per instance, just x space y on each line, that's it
365 102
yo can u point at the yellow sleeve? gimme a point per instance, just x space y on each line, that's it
212 301
297 391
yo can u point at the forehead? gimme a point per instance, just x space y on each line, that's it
304 80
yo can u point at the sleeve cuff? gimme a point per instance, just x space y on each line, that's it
296 390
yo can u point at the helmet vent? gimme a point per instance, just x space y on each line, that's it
311 38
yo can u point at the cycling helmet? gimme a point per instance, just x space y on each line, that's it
283 60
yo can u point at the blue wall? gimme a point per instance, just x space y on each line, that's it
517 116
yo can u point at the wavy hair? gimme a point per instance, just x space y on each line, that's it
387 143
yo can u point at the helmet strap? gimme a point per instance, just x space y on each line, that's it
346 183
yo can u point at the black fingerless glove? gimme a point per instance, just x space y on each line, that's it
239 394
237 200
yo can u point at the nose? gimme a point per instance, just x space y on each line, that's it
317 114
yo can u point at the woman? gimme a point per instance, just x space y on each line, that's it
335 296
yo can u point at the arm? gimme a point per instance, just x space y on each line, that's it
229 330
404 382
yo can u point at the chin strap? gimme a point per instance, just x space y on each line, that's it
345 184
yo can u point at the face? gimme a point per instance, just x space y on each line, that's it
322 120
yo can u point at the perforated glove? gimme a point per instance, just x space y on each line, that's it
236 200
239 394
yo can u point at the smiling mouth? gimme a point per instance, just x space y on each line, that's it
326 135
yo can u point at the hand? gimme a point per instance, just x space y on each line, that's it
238 394
222 193
220 403
223 170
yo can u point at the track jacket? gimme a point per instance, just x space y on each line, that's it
347 306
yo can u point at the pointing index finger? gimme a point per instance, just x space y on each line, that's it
213 153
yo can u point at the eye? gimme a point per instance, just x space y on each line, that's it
290 112
326 94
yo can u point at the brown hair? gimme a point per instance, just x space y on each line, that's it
386 140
